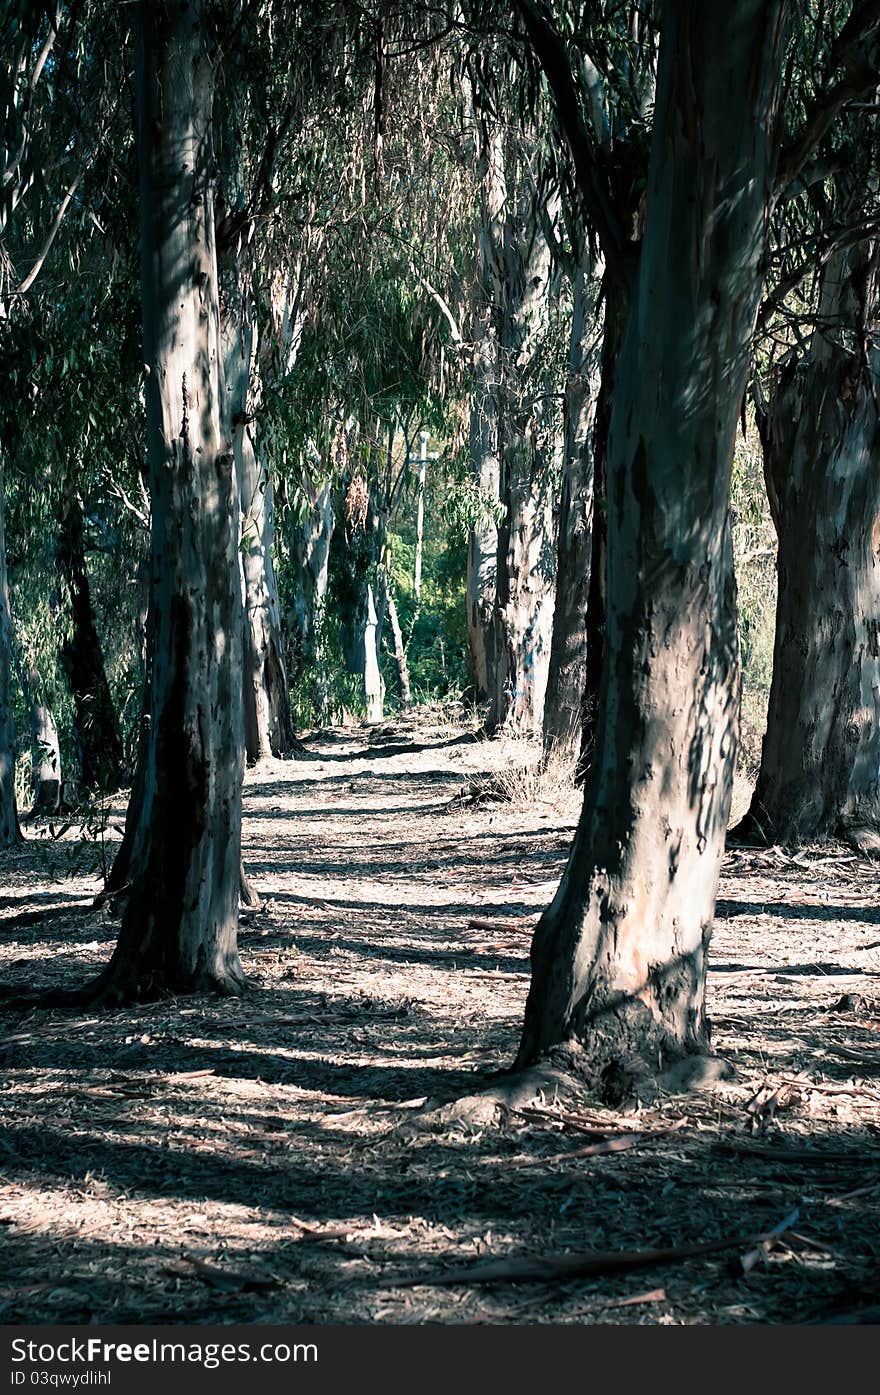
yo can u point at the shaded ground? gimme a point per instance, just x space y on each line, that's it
268 1159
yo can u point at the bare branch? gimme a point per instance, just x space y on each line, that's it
550 51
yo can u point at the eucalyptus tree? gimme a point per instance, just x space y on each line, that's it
619 958
59 100
820 431
380 344
566 672
179 927
29 35
513 430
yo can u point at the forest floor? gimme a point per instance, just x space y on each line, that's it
278 1158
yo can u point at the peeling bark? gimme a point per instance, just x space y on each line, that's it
180 923
619 958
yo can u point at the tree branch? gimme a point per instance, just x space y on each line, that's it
857 50
550 51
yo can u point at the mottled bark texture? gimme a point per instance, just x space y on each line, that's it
566 676
10 833
180 923
510 595
267 722
820 762
619 958
96 729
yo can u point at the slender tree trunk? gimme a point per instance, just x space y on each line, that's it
524 588
267 722
374 689
310 556
566 677
268 726
619 958
484 440
482 556
97 732
358 548
10 833
511 604
180 923
420 516
388 606
820 762
45 755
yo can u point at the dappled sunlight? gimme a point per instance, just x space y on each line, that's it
281 1157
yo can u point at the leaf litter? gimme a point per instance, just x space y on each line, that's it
252 1160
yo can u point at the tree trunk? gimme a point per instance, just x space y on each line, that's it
420 516
358 548
619 958
568 651
10 833
374 689
820 762
180 924
45 755
399 649
267 722
511 612
524 589
310 557
97 732
482 555
615 301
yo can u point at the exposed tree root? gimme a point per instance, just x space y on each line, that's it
863 838
568 1075
113 989
862 835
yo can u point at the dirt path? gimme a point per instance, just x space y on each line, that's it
263 1160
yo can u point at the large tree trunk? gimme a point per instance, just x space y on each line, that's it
619 958
10 833
820 762
97 732
180 923
566 677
